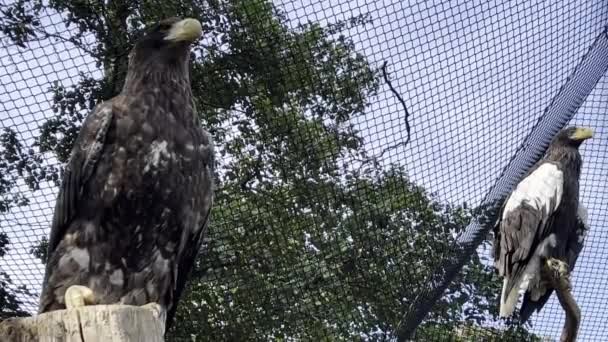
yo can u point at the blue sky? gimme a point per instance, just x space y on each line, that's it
475 76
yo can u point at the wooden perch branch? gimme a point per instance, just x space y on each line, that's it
97 323
573 312
558 273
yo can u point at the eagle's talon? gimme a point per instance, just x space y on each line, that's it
559 272
78 296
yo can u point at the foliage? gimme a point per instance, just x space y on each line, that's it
20 168
40 250
18 21
459 332
10 305
310 238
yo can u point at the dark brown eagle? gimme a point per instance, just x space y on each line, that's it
541 227
136 194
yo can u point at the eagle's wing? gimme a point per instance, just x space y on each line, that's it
576 241
185 266
192 239
574 248
524 222
85 154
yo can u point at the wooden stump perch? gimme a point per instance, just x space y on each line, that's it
97 323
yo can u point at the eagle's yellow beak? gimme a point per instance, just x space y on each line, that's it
187 30
582 134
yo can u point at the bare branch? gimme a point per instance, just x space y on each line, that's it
407 114
559 278
573 312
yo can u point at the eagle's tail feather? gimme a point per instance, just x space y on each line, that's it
508 302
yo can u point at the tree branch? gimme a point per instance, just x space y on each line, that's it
561 283
573 312
64 39
407 114
407 122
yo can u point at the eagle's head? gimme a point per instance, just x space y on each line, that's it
162 55
572 137
167 42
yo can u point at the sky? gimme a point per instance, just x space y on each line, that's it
476 76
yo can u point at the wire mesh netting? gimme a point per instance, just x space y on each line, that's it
341 212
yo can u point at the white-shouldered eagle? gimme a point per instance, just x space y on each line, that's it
541 226
137 190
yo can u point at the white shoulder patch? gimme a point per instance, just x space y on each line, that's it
542 187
